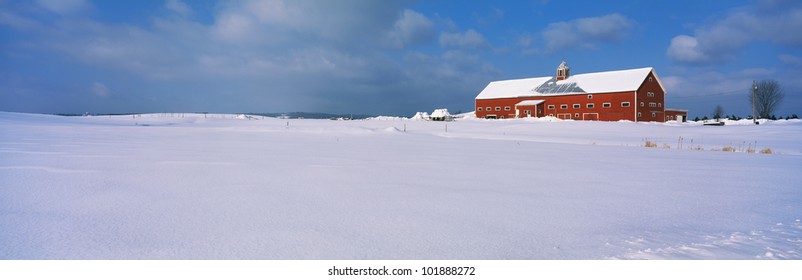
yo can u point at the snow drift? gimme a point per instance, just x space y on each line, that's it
216 187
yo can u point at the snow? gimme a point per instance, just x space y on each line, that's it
440 113
186 186
611 81
512 88
591 83
419 116
387 118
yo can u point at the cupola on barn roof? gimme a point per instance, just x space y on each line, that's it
563 71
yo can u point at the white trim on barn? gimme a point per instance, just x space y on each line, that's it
530 103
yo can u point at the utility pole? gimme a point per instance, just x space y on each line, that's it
754 90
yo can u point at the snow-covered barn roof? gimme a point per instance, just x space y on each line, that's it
590 83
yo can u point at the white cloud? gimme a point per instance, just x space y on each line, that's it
467 39
671 82
274 11
686 49
452 65
18 22
774 22
337 21
489 16
585 33
249 57
235 28
700 91
100 90
712 84
749 73
411 28
525 40
609 27
790 59
498 13
64 7
179 7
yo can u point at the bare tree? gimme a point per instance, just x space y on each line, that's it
718 112
766 98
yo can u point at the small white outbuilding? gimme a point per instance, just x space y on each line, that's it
441 115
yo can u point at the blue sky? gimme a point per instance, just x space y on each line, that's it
379 57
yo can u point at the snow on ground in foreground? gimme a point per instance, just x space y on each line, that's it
172 186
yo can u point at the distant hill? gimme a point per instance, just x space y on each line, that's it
290 115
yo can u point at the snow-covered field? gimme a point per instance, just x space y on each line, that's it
181 186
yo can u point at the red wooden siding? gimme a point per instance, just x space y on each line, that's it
591 106
553 107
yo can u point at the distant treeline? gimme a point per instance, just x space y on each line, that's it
91 114
290 115
749 117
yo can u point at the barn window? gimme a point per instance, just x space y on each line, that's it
590 105
528 112
479 109
551 106
653 115
576 115
590 96
652 104
641 104
506 108
606 105
487 109
650 94
650 79
576 106
624 104
660 104
564 106
551 115
638 114
498 108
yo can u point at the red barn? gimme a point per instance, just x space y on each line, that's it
635 95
